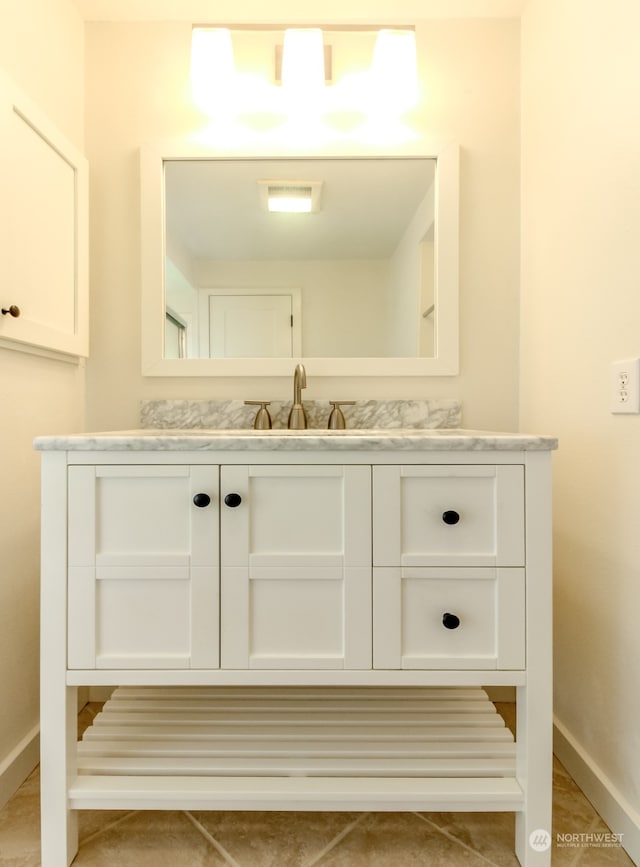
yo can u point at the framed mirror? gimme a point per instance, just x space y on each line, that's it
360 278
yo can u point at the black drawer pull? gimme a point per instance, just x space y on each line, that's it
450 517
450 621
233 500
201 500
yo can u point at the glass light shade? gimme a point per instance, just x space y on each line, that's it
394 69
303 61
213 73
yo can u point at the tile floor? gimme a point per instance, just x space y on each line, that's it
248 839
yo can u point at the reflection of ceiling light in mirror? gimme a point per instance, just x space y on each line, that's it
394 70
213 73
290 197
303 62
297 204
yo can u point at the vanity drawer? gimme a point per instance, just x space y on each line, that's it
448 618
448 515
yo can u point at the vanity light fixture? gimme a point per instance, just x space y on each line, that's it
303 65
290 197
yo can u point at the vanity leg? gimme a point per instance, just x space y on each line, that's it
58 733
534 708
58 702
534 840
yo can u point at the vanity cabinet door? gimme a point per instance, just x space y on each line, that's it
448 516
143 575
296 567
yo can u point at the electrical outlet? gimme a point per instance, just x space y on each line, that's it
625 386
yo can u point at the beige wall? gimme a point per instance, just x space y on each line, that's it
41 49
137 91
580 312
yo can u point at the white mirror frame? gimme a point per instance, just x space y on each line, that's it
152 241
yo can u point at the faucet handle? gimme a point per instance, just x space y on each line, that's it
336 417
262 420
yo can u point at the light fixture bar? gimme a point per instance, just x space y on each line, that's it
338 28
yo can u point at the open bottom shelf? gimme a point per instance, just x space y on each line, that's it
297 748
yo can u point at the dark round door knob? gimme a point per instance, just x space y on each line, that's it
450 517
450 621
14 311
232 500
201 500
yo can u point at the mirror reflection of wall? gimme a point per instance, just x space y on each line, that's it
361 263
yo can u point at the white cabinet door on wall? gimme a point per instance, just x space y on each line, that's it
296 566
143 580
43 230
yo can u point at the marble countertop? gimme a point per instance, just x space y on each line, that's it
391 439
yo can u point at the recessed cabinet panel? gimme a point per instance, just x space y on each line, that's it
448 516
449 618
43 229
296 567
142 618
143 567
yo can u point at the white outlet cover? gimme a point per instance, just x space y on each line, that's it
625 386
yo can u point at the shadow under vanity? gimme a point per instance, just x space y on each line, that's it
296 620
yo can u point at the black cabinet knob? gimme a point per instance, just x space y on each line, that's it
450 517
232 500
450 621
201 500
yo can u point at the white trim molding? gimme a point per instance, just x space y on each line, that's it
610 803
16 767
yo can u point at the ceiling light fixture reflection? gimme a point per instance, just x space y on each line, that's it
290 197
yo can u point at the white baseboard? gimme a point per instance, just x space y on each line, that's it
616 811
17 766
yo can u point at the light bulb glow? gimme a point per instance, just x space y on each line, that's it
213 74
394 70
303 61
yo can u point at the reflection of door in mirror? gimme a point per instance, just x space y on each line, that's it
240 323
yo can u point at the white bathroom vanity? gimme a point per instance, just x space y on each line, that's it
296 620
